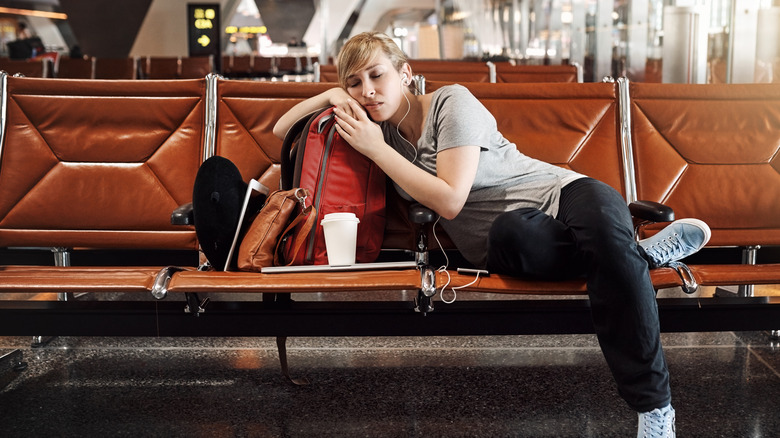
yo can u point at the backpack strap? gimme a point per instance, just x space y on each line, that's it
310 215
289 149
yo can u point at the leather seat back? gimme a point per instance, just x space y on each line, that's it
246 114
453 71
536 73
573 125
101 164
711 152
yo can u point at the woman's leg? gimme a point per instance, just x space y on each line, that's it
527 242
593 235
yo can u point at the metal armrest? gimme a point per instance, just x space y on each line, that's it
422 217
420 214
183 215
651 211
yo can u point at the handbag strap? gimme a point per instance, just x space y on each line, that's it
310 215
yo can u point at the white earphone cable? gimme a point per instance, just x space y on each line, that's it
398 126
444 270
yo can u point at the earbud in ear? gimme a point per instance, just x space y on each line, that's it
405 79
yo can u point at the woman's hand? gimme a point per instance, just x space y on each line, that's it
339 98
333 96
354 126
446 192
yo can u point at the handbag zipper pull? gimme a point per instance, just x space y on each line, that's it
301 198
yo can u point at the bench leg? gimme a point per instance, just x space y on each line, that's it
281 341
281 345
749 257
743 290
61 258
41 341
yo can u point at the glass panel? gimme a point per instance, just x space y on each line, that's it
623 37
768 43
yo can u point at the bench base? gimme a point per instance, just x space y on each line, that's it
374 318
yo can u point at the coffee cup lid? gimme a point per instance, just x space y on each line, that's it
339 217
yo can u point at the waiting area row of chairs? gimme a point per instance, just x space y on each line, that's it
476 71
151 67
253 66
249 66
435 69
111 68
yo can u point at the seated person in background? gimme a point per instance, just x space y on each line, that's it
22 31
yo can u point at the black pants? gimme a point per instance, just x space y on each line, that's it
593 237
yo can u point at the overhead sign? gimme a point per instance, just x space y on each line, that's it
246 29
203 28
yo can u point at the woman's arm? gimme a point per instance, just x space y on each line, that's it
445 193
335 96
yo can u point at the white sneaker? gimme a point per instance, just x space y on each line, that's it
678 240
658 423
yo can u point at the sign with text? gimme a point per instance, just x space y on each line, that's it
203 28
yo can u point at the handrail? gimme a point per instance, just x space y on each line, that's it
3 108
626 145
210 128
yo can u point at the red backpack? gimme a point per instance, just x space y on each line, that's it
340 179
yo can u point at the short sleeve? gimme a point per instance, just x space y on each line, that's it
459 119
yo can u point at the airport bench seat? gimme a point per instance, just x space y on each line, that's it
102 164
96 164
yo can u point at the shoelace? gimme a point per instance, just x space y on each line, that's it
664 250
658 425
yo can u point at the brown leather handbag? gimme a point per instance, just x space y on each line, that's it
273 225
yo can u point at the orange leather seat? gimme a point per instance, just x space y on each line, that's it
97 164
713 152
537 73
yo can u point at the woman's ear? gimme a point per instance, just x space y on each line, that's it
406 74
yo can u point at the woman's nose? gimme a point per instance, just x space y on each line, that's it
368 91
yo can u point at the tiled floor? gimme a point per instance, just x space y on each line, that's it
724 385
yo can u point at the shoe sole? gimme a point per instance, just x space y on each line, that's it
698 224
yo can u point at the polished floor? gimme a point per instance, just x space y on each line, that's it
725 384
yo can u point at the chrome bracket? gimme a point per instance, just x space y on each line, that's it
194 305
162 280
424 301
689 283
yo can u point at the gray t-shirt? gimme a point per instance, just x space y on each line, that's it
506 179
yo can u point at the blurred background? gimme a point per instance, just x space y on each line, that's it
683 41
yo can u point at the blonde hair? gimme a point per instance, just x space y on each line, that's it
362 48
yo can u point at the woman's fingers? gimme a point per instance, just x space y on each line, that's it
357 111
343 119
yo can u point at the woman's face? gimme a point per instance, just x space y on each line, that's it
377 87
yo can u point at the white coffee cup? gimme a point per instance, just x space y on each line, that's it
340 231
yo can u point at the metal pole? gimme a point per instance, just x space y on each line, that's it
637 39
439 21
604 27
730 52
323 6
